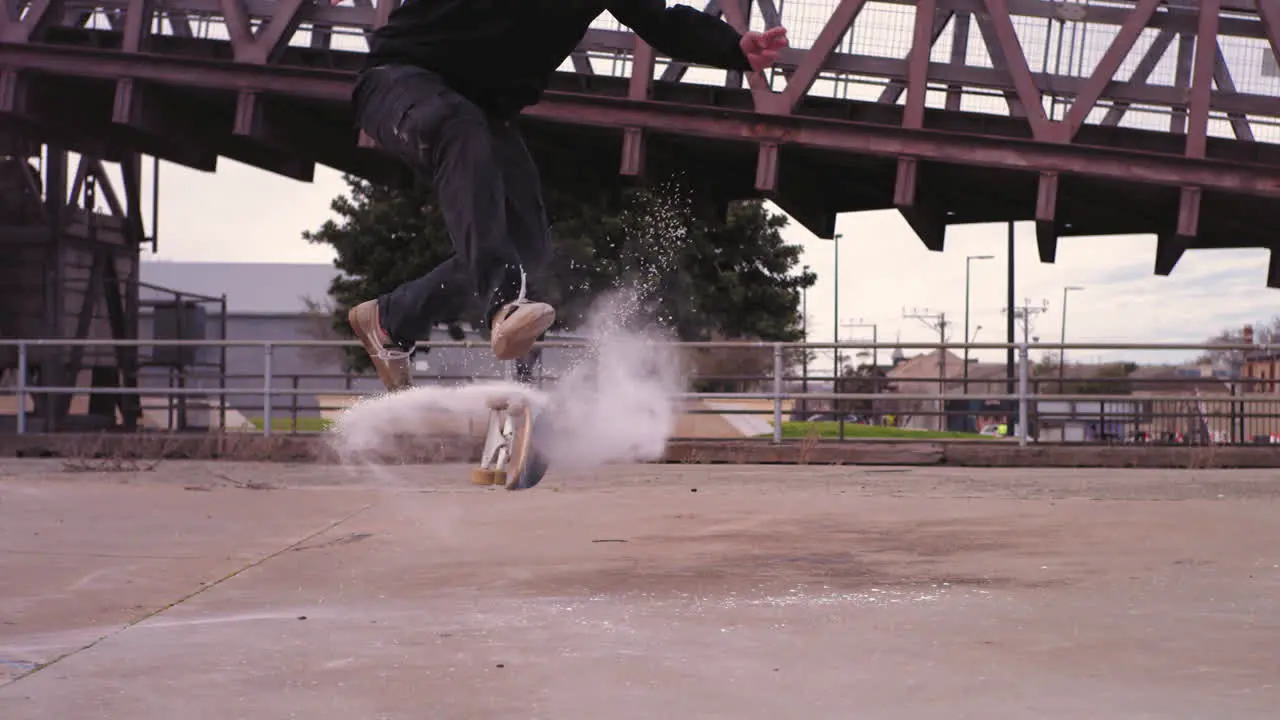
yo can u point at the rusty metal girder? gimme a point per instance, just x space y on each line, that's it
803 66
82 257
1010 75
1243 22
709 122
940 146
784 108
41 14
1119 49
177 70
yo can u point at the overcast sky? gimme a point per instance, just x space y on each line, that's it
242 214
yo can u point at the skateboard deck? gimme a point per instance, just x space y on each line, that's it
513 448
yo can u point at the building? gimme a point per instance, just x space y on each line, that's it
1180 404
1261 371
1259 382
1155 403
964 407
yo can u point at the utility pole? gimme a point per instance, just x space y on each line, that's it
1025 312
804 360
936 321
1011 380
835 316
1062 353
968 267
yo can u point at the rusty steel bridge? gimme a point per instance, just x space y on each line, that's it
1087 118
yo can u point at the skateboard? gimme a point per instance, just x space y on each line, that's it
514 441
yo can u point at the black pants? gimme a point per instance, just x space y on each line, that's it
485 182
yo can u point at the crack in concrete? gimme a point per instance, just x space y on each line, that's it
113 556
202 589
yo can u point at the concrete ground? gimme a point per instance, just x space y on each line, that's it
224 590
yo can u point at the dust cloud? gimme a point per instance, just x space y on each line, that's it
618 402
620 398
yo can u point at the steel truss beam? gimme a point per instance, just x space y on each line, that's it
784 109
702 121
280 20
273 35
291 131
1171 246
40 16
91 225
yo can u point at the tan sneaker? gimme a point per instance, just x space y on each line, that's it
517 325
392 363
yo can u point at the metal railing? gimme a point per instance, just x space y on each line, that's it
1025 389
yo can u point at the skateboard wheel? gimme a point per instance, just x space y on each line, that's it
480 476
500 477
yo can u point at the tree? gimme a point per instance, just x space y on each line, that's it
382 238
1046 366
1264 333
862 380
1105 379
703 277
1110 379
730 277
727 279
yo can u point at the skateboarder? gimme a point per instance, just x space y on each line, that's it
442 85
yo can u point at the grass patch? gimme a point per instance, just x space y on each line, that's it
285 425
831 430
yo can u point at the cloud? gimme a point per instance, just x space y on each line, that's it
884 268
245 215
241 213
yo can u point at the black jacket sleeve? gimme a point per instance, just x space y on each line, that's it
683 32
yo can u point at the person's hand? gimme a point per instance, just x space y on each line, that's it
762 49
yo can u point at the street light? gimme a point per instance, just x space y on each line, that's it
804 307
968 265
804 359
1062 352
835 312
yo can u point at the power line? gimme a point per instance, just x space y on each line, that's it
932 320
935 321
1025 312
